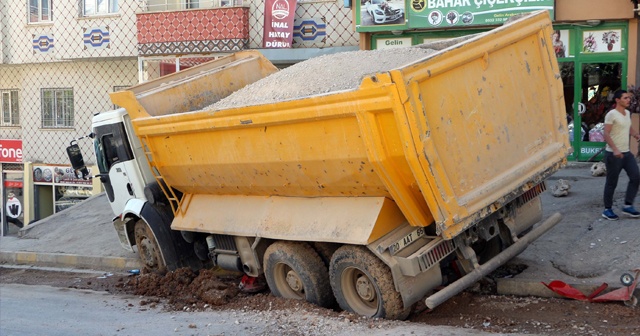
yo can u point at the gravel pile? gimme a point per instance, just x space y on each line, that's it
329 73
323 74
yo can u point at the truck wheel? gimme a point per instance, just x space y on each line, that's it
325 250
148 247
296 271
363 284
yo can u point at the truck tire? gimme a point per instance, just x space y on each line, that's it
148 248
326 250
295 271
172 250
363 284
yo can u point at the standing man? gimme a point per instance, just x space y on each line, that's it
617 129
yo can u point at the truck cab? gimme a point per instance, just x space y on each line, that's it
124 171
141 219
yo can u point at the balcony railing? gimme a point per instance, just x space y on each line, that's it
192 31
172 5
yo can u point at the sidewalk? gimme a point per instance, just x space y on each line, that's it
79 237
583 250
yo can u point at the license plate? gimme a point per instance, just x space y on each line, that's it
406 240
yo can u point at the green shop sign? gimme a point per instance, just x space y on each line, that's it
440 14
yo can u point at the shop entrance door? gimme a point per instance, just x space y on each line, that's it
595 84
12 202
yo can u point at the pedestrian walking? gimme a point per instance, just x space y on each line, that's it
617 156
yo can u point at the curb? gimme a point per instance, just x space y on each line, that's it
68 260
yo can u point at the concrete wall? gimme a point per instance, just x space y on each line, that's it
91 82
580 10
67 29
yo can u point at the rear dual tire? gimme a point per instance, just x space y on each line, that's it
358 280
294 270
363 284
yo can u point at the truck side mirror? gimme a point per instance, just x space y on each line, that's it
104 178
77 161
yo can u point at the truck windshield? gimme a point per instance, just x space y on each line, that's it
111 146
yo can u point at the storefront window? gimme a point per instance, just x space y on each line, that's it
567 71
599 82
593 65
67 196
57 188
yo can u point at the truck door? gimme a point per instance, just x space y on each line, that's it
115 163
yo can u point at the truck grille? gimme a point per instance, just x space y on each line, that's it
437 250
531 194
224 243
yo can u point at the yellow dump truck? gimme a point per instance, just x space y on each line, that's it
422 176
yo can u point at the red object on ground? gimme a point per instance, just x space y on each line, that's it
624 293
249 284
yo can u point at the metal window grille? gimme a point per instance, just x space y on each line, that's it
99 7
193 4
39 11
9 103
57 108
16 167
164 5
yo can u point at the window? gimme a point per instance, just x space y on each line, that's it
39 11
57 108
163 5
99 7
111 146
9 105
193 4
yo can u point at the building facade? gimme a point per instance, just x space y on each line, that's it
596 44
59 60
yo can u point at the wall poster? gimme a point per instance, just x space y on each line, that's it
602 41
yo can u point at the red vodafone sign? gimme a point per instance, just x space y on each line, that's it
10 150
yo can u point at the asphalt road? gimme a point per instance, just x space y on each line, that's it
53 311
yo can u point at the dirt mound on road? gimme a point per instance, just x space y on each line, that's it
185 288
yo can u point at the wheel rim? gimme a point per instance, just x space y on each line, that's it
148 248
148 252
288 282
359 292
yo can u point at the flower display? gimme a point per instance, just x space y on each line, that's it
590 44
610 38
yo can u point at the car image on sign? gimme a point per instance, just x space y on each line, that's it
382 12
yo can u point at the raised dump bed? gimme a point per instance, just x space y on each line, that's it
448 135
